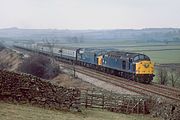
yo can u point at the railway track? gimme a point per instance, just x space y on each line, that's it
167 87
143 89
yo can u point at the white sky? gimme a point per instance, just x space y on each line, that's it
89 14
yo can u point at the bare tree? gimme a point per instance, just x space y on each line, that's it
174 75
162 75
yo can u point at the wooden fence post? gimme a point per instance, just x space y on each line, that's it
144 107
138 107
127 109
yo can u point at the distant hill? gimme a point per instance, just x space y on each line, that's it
147 35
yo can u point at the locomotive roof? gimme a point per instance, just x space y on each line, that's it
122 54
93 49
63 47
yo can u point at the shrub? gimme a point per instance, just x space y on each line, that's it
40 66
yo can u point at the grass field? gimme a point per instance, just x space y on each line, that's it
168 56
27 112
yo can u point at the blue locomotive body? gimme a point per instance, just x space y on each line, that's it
112 62
119 61
89 55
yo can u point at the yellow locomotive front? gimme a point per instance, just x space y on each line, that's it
144 69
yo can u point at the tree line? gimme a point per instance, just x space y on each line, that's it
169 75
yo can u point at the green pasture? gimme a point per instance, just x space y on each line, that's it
168 56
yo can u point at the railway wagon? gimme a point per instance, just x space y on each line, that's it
66 53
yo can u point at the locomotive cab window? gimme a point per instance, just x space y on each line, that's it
136 58
141 57
146 57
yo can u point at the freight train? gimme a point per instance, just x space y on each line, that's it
133 66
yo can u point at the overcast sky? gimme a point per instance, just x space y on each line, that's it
89 14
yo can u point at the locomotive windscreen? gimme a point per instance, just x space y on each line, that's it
141 57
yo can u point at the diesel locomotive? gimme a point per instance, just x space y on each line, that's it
133 66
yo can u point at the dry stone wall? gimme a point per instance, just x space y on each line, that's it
166 110
23 88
